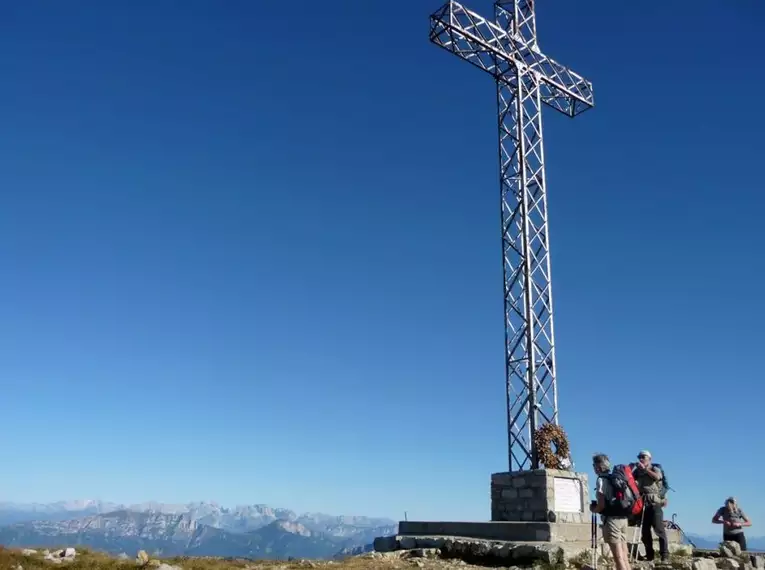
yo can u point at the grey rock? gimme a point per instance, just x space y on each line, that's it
758 561
682 550
730 549
164 566
548 553
703 564
728 564
65 555
480 548
28 552
425 553
504 550
523 552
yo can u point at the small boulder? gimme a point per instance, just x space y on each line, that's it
548 553
728 564
28 552
164 566
730 549
480 549
703 564
683 550
424 553
142 558
502 550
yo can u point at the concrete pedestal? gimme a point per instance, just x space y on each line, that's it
543 506
540 495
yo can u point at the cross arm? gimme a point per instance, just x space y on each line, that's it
489 47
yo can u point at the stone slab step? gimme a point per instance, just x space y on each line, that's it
514 531
473 549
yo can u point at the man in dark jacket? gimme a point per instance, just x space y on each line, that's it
649 479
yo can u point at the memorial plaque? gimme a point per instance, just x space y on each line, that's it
568 495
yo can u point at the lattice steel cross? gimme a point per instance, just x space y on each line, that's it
507 49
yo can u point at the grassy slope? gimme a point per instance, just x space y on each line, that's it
11 559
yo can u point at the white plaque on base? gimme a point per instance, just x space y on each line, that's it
568 495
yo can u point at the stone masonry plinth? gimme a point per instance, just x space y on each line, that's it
540 495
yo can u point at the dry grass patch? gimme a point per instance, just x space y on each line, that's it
13 559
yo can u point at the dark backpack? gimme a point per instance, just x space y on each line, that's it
664 485
625 499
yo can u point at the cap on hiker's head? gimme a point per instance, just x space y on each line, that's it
644 453
730 500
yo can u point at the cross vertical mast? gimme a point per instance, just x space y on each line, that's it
525 79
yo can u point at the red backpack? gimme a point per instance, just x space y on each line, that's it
625 500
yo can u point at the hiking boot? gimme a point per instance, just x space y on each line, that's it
665 558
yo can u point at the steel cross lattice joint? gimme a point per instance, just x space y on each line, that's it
507 49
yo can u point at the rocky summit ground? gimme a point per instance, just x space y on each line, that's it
27 559
728 557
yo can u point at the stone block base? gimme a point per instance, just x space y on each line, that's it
540 495
504 531
489 552
516 532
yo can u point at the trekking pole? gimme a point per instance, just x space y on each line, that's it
635 545
594 534
682 532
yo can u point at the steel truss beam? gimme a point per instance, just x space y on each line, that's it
526 78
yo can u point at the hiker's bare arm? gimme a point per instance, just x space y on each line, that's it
746 522
655 474
717 518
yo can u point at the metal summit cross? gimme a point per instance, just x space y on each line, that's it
507 49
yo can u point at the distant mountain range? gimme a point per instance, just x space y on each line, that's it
206 529
754 543
195 529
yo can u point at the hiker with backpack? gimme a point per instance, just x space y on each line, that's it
650 480
616 499
733 520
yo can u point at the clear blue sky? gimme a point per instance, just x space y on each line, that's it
250 253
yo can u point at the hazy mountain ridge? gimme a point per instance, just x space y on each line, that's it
754 543
195 529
